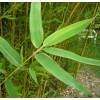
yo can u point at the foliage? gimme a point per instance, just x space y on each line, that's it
36 32
11 89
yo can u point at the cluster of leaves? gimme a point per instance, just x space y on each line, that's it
45 47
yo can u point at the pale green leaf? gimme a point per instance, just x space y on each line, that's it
33 74
52 67
66 32
11 89
36 29
12 56
71 55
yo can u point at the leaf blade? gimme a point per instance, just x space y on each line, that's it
72 56
66 32
11 89
33 74
9 53
36 29
52 67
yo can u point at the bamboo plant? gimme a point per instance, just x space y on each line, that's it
45 47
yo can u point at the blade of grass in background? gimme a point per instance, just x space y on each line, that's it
52 67
11 89
66 32
71 55
12 56
36 29
33 74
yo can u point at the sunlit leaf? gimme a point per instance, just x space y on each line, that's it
66 32
71 55
52 67
12 56
11 89
36 29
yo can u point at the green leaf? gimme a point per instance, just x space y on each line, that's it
37 67
11 89
12 56
52 67
33 74
1 69
66 32
39 70
1 65
36 29
71 55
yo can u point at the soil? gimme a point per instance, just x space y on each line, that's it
86 77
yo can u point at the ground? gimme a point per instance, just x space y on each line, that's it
89 79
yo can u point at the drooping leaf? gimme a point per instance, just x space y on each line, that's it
12 56
66 32
52 67
71 55
11 89
36 29
33 74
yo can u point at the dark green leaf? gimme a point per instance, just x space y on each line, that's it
11 89
71 55
52 67
12 56
36 29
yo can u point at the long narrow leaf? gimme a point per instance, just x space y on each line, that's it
52 67
33 74
66 32
12 56
11 89
71 55
36 29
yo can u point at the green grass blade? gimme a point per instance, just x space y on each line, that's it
52 67
36 29
33 74
66 32
11 89
10 54
71 55
1 69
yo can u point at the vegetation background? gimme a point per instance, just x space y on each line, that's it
14 27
